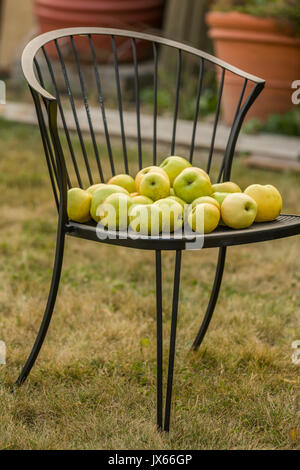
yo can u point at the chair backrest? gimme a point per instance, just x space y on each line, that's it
80 72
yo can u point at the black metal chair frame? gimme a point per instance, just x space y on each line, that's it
284 226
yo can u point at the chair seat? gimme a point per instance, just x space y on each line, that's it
284 226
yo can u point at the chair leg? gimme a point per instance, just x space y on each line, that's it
213 299
49 308
172 340
159 335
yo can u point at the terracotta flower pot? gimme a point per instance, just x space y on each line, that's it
131 14
263 47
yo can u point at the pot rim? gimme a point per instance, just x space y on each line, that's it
91 6
243 27
237 20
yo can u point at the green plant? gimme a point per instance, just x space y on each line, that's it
285 10
286 124
188 95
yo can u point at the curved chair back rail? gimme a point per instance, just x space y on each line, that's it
54 65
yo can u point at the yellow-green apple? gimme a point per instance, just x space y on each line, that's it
174 165
219 197
200 170
94 187
155 185
268 199
78 205
238 210
172 192
113 212
139 199
192 183
204 218
147 170
226 187
101 194
177 199
125 181
208 199
146 219
172 214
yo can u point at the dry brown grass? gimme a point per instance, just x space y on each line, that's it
93 386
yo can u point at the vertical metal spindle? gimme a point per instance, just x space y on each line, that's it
39 73
176 102
212 144
72 103
199 89
137 101
155 56
236 127
101 103
46 143
234 119
62 115
48 148
240 100
119 94
87 109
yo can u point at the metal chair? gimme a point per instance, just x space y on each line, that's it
69 166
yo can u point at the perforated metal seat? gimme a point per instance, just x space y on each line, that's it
284 226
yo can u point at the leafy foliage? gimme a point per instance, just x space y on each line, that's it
285 10
188 98
286 124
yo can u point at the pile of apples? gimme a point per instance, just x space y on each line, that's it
161 198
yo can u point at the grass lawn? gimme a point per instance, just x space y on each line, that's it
93 386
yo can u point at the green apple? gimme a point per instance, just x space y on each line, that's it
125 181
139 199
173 166
192 183
147 170
208 199
113 212
268 199
94 187
146 219
204 218
200 170
226 187
177 199
155 186
172 214
78 205
219 197
238 210
100 195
